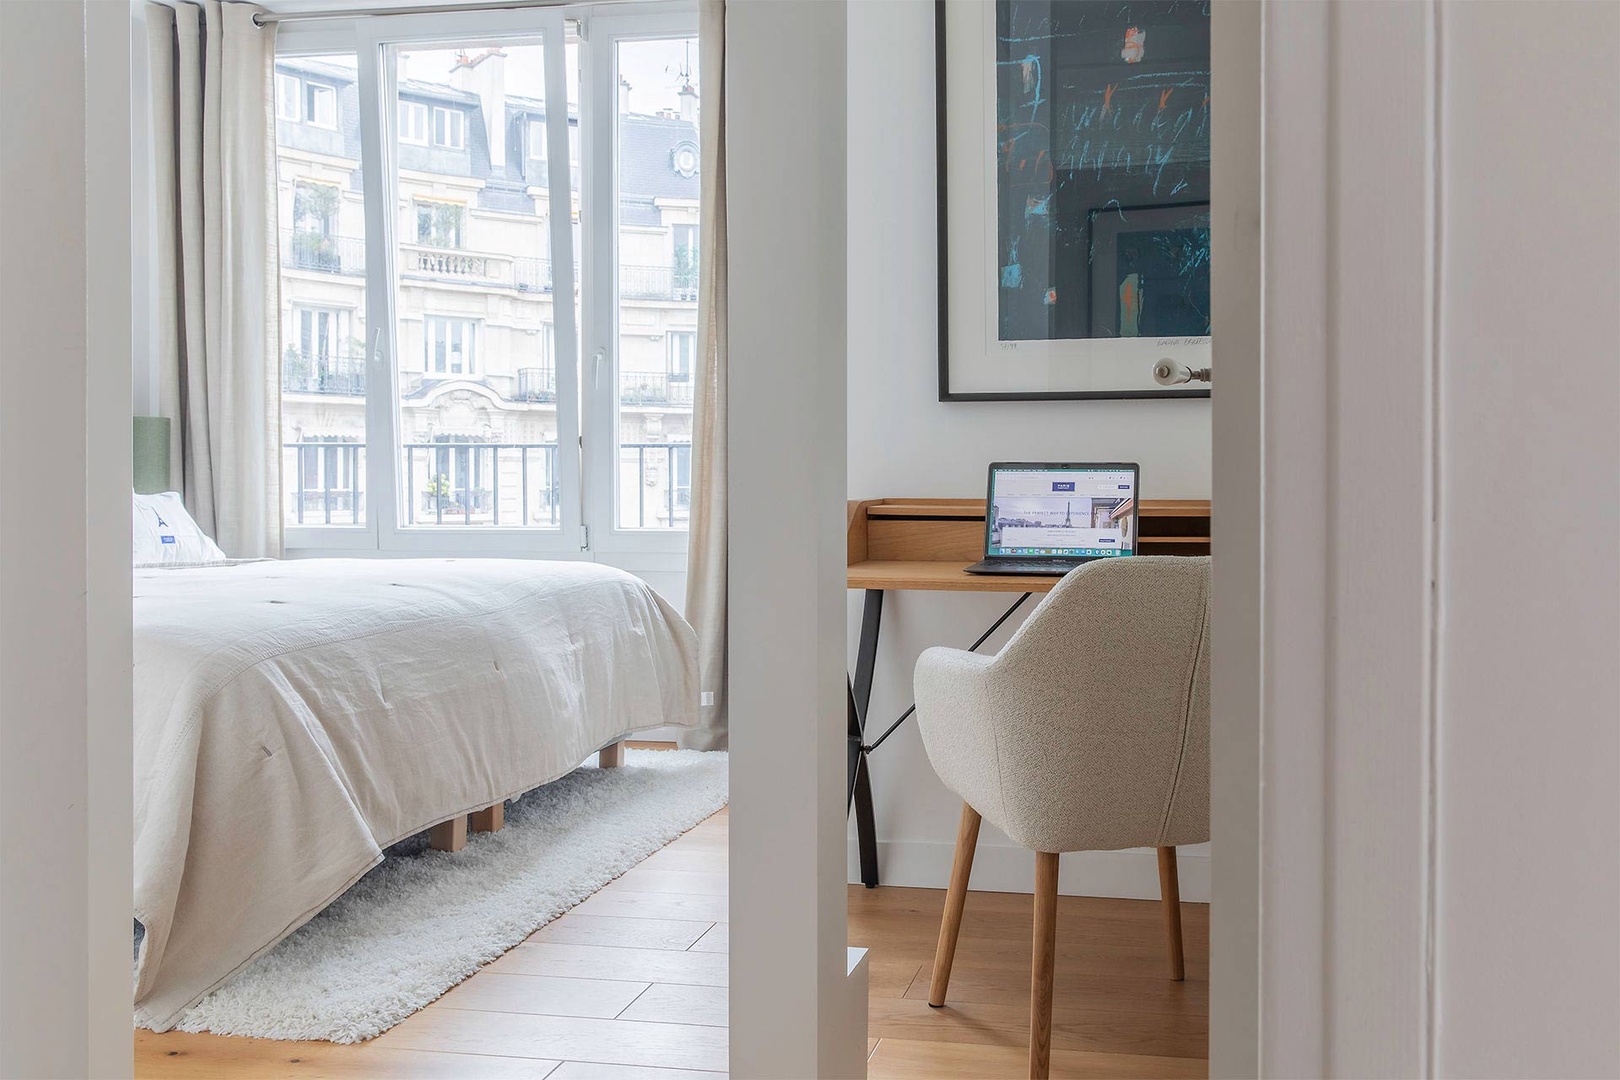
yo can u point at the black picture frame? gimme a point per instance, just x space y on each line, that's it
946 394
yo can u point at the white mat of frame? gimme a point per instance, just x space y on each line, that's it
424 920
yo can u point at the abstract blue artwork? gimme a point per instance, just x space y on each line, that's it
1102 127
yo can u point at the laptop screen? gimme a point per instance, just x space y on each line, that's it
1072 511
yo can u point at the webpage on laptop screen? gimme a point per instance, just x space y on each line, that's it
1079 513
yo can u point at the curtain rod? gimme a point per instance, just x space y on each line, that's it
264 18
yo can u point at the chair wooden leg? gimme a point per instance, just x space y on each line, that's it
611 756
967 840
489 819
1170 897
449 835
1042 965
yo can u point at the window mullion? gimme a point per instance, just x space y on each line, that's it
376 80
566 333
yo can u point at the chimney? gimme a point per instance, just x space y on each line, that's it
689 104
485 75
624 95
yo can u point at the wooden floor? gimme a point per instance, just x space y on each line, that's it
1117 1013
632 984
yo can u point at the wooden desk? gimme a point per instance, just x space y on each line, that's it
926 544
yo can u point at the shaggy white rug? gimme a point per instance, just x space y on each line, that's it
424 920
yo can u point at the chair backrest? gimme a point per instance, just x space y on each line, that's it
1101 708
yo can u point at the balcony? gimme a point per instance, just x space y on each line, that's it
655 388
470 483
536 384
658 283
323 254
655 469
339 375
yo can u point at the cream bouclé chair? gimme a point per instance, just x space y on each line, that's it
1089 731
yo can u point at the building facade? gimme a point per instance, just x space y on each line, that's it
476 388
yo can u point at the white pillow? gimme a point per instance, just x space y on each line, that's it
165 535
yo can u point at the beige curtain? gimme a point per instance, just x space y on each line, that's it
214 234
706 555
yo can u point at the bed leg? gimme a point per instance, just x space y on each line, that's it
449 835
611 756
489 819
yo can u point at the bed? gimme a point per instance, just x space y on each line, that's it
293 719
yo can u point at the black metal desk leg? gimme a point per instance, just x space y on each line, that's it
860 696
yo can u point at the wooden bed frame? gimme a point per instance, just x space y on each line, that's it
452 835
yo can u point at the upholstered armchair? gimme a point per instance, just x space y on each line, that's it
1089 731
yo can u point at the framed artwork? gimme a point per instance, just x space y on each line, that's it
1073 140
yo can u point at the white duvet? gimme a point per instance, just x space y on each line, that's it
292 719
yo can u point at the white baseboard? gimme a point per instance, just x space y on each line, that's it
1131 874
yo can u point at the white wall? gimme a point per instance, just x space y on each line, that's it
904 442
797 1009
1416 694
1528 408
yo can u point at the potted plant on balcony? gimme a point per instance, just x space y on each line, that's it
295 373
437 493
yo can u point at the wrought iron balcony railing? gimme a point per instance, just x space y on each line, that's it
655 388
658 283
472 483
339 374
670 463
536 384
326 254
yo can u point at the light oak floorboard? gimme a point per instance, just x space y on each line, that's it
180 1056
907 1059
584 1070
626 903
565 960
548 995
1116 1013
629 933
611 1042
669 1004
646 879
717 941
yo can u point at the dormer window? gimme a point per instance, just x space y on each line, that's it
449 128
413 123
302 101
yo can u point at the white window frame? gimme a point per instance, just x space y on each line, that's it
289 97
587 512
413 123
455 128
536 148
437 327
651 548
680 353
310 96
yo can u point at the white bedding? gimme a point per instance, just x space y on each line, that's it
292 719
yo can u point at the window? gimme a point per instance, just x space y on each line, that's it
413 123
289 98
682 348
449 128
320 105
504 423
449 345
657 277
300 100
439 224
323 321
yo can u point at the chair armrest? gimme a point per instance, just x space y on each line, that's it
954 717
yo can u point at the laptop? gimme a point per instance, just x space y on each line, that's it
1050 518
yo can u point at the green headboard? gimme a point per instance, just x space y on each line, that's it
152 455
